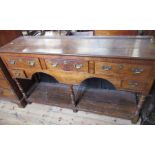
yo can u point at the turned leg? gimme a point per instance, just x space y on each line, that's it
23 101
139 106
72 96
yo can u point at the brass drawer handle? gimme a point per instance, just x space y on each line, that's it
106 68
120 66
65 62
78 66
54 64
137 70
17 74
132 84
31 63
12 62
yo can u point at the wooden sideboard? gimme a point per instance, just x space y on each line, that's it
126 64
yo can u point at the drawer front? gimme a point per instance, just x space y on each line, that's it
22 62
133 85
6 93
138 70
4 84
16 73
67 65
107 68
122 69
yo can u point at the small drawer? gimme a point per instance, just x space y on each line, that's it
108 68
4 84
67 65
16 73
122 69
133 85
139 70
22 62
6 93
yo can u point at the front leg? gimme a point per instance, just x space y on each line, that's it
138 109
72 96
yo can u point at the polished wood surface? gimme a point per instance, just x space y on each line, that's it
116 32
123 47
126 63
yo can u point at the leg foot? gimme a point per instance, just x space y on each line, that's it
21 105
72 96
138 109
135 119
75 110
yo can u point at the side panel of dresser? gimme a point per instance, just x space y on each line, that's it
8 87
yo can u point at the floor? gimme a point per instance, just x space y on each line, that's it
43 114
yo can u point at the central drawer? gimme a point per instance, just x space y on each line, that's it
127 69
22 62
67 65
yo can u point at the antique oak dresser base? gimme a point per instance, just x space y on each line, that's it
128 63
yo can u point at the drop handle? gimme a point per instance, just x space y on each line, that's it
12 62
78 66
54 64
17 74
120 66
106 68
133 84
65 62
31 63
137 70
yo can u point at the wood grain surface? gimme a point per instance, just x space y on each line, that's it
124 47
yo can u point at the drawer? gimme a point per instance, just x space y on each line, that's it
4 84
133 85
6 93
122 69
138 70
67 65
16 73
22 62
108 68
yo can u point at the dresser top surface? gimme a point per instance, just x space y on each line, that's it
122 47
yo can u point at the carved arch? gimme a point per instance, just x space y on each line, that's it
45 77
97 82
